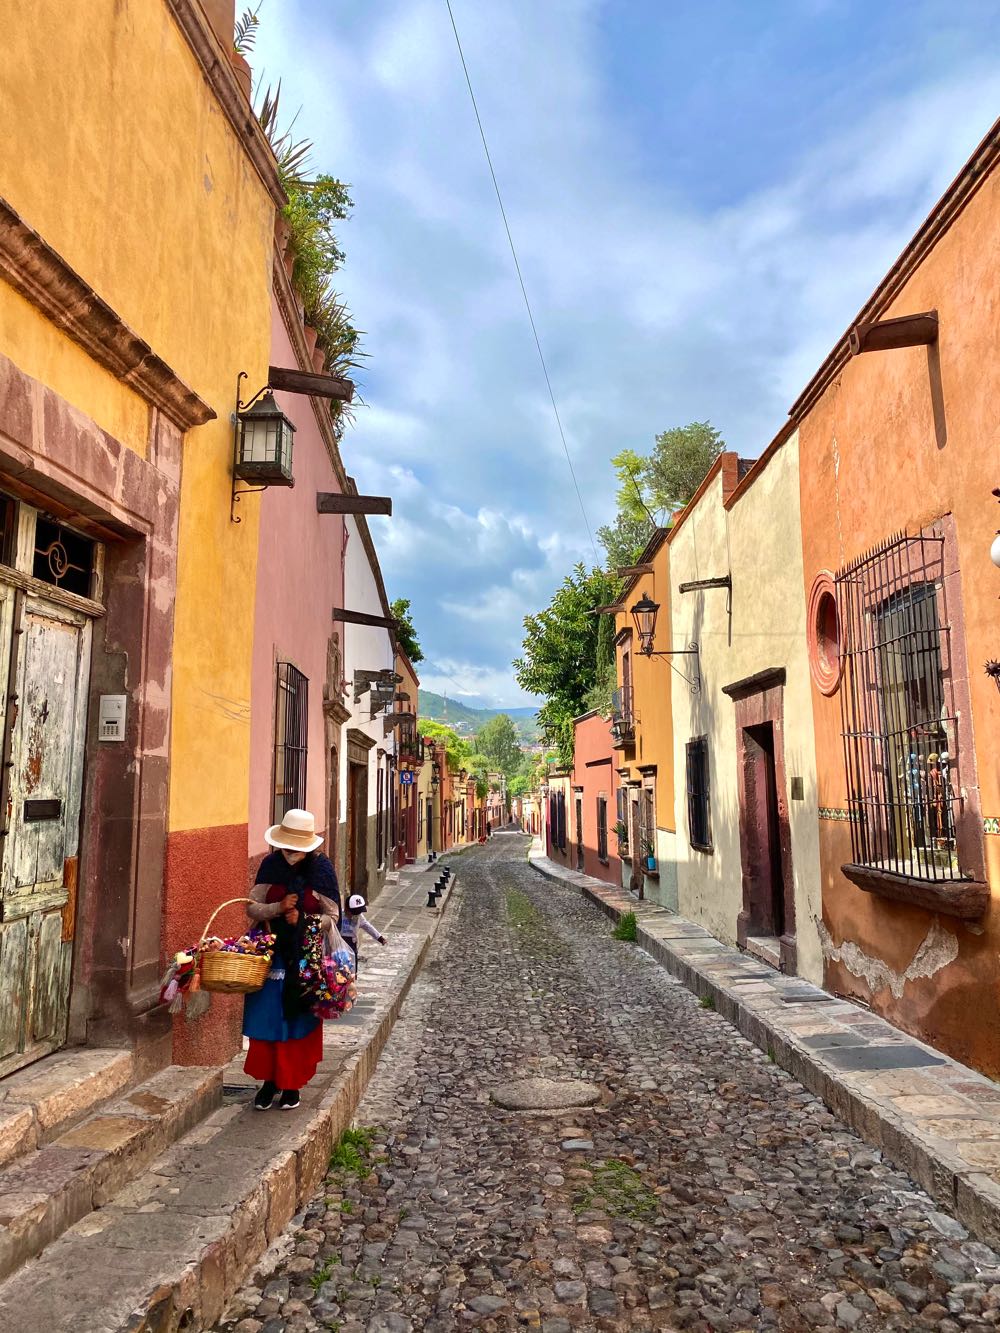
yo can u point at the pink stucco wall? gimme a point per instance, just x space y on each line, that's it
594 771
300 579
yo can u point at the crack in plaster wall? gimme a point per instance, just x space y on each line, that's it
938 948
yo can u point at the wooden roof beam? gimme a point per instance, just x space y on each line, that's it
884 335
331 502
314 383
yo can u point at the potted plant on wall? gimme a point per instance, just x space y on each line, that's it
649 854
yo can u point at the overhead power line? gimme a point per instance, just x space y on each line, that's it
520 278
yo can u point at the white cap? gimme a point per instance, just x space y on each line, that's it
356 903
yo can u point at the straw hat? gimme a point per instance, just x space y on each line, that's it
296 832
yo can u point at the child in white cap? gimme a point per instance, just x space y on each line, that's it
354 918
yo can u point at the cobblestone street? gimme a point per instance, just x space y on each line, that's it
706 1190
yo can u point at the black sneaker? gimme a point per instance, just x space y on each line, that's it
266 1095
289 1100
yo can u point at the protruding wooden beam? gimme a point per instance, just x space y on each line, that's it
329 502
314 383
627 571
885 334
363 618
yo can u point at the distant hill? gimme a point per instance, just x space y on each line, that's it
466 721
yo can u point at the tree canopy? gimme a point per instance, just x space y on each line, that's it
498 741
559 659
456 750
405 632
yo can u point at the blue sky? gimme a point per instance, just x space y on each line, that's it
702 195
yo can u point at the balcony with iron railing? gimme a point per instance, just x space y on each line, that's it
622 717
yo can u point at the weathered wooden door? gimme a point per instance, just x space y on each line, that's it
44 661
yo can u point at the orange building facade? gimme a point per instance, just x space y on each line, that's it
899 452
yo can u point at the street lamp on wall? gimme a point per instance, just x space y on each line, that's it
262 444
993 671
644 614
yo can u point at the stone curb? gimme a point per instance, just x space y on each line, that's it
196 1258
968 1191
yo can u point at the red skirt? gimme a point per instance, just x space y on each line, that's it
287 1064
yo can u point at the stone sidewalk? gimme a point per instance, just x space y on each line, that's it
173 1246
935 1118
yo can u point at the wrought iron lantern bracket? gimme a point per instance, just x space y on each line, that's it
693 681
239 422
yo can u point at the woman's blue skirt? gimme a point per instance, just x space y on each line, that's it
264 1018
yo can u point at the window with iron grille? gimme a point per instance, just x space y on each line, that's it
63 558
420 820
621 798
291 740
602 828
899 724
698 804
647 825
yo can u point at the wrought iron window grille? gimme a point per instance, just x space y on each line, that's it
291 740
899 726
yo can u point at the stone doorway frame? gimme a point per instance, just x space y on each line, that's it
760 702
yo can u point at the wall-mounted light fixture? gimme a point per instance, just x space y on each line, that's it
993 671
644 614
262 444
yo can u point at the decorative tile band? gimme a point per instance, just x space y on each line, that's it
991 824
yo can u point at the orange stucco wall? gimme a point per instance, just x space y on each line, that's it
898 440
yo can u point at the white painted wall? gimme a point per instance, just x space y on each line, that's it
366 649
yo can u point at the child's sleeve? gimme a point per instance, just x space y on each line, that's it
369 929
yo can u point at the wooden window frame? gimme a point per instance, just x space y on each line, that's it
696 752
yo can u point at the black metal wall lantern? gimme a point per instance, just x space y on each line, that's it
644 614
262 444
993 671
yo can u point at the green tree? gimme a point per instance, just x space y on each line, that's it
498 741
625 539
405 633
677 466
519 785
456 750
559 659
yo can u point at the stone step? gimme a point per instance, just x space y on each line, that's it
174 1244
41 1102
49 1188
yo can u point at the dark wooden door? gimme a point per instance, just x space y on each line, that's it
767 890
357 828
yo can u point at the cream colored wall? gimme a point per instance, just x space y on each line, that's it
759 541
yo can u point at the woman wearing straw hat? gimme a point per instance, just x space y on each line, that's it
295 882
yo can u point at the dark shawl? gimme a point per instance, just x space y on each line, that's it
314 874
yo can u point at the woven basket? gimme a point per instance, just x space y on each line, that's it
231 973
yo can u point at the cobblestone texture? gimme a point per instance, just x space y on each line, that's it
707 1189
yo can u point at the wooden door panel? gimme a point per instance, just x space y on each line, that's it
47 751
13 984
49 984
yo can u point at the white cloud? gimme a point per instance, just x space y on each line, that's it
654 307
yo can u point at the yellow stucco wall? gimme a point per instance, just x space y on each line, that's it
654 685
119 155
759 541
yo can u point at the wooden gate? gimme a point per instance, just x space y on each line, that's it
44 666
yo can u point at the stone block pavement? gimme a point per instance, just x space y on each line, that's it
171 1248
932 1116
